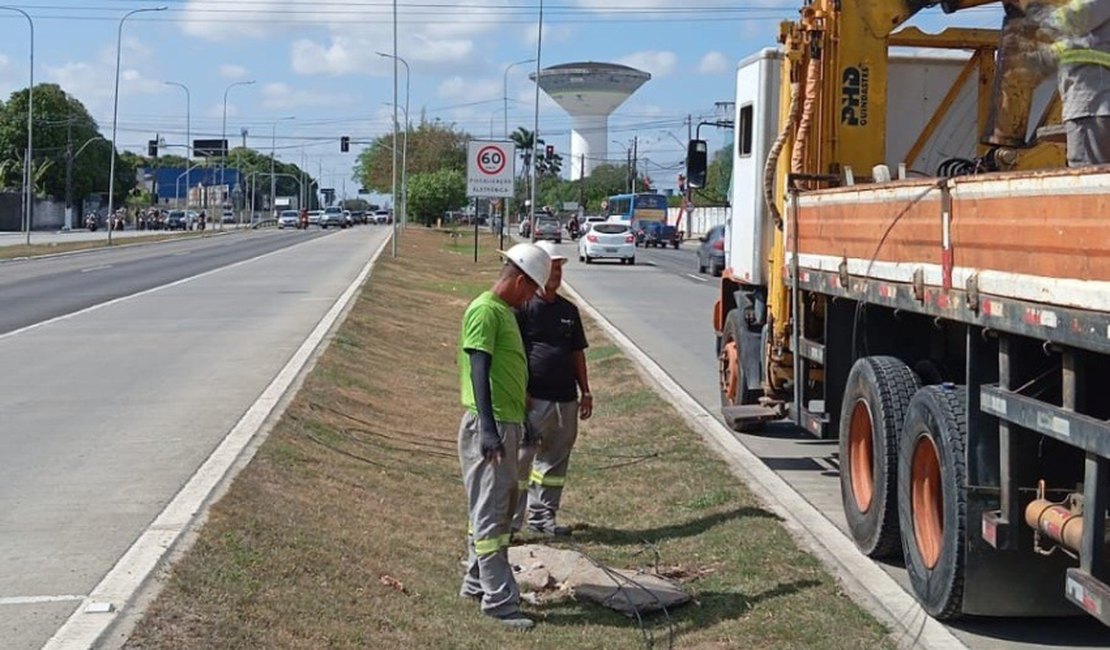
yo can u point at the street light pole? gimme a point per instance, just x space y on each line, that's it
273 165
188 138
536 117
27 177
223 136
505 91
115 117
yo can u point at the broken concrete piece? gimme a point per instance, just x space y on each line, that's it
627 592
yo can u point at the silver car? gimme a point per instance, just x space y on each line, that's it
548 228
288 219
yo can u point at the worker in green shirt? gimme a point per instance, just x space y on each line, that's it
493 374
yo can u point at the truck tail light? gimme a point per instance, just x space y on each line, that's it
591 238
719 245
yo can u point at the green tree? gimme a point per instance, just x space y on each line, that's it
718 176
432 146
255 169
433 193
62 124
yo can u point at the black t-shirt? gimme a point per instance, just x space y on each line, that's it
551 332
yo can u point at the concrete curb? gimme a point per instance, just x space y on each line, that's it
863 580
111 599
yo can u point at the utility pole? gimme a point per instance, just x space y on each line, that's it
581 182
635 163
69 174
628 168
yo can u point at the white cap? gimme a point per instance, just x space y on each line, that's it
532 260
549 248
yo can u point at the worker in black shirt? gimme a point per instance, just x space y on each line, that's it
559 392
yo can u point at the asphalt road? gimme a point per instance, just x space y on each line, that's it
108 412
664 306
35 290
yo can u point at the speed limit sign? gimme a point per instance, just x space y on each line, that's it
489 169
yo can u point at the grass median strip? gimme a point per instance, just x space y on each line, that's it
347 528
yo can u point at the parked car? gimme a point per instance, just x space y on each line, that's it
287 219
608 241
711 251
332 217
177 220
548 228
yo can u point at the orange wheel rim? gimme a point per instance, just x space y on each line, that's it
730 371
861 456
926 496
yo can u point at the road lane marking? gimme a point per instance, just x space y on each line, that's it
83 629
116 301
695 277
38 600
865 581
103 267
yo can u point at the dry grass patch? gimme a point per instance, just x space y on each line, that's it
347 529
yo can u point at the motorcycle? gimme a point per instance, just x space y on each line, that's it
91 223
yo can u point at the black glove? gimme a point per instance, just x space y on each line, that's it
532 437
493 449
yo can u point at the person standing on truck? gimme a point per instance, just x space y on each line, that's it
493 374
1081 33
559 388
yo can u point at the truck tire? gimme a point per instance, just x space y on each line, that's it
876 400
932 504
732 383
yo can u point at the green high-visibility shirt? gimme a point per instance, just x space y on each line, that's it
489 325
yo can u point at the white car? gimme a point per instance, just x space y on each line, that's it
608 241
288 219
590 221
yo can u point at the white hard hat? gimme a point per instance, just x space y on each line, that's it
549 248
532 260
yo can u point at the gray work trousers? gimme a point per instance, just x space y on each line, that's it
544 468
491 490
1088 141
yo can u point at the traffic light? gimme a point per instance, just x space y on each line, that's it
550 151
345 144
152 148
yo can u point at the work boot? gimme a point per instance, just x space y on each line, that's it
515 621
549 529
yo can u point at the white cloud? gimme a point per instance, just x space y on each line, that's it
659 63
463 90
713 63
281 96
232 71
445 40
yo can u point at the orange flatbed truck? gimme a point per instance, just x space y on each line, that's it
948 321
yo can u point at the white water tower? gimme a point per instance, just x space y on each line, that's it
589 92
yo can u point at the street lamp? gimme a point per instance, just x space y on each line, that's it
115 117
188 135
223 136
536 117
27 179
505 91
273 163
405 146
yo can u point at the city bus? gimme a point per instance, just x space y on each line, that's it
637 210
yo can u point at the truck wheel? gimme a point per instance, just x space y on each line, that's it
734 390
932 505
875 402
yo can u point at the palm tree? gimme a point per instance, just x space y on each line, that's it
526 143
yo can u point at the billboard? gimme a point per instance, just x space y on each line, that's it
210 148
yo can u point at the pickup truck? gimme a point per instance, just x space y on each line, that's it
659 235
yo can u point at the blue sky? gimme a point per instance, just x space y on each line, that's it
315 61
